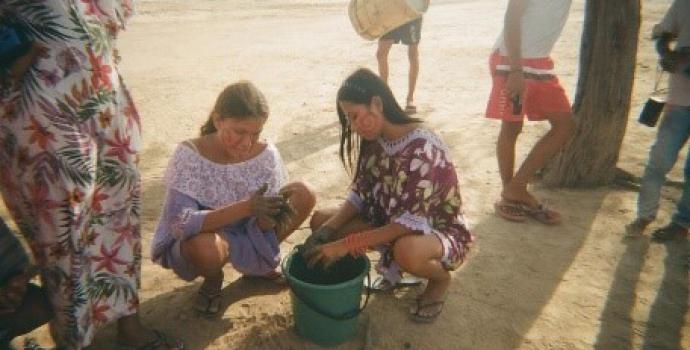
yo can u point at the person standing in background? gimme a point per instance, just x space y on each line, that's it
409 34
524 84
674 128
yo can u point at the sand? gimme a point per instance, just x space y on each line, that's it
526 286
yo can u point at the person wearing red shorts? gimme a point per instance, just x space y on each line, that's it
525 85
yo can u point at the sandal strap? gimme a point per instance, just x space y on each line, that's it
515 208
418 316
421 305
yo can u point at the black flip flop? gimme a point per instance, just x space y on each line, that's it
381 284
419 318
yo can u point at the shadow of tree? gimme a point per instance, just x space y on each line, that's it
666 318
295 148
616 331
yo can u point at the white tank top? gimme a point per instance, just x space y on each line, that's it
542 24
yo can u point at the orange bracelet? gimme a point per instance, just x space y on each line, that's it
355 244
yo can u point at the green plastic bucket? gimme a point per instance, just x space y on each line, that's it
326 303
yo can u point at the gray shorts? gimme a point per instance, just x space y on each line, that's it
409 33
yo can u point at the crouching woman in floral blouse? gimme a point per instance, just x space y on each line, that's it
404 199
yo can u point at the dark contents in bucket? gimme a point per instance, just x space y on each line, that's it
341 271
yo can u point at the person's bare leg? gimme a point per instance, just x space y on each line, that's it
413 56
382 57
208 253
420 255
562 128
505 149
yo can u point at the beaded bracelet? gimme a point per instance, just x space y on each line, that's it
356 244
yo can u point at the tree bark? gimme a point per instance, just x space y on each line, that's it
607 68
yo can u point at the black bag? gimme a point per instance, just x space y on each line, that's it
651 112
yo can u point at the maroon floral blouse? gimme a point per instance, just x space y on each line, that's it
412 182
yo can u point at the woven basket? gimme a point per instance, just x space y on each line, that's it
374 18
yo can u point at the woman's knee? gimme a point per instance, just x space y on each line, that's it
413 252
406 254
319 217
303 194
206 252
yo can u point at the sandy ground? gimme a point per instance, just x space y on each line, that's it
579 286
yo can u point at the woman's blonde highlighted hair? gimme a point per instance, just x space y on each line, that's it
241 100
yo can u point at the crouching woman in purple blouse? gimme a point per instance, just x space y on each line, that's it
228 199
404 199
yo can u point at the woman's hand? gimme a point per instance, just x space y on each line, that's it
273 212
287 212
326 254
265 208
322 235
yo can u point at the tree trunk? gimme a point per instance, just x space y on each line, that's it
607 67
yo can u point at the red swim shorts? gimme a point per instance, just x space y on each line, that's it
543 93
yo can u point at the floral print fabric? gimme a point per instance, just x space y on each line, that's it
413 182
69 142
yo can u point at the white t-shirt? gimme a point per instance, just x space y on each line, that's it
677 22
542 24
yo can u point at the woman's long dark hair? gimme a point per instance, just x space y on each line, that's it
360 88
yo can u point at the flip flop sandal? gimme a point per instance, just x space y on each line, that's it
543 214
512 211
410 109
207 304
381 284
669 232
162 342
420 306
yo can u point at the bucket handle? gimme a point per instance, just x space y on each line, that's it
344 317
